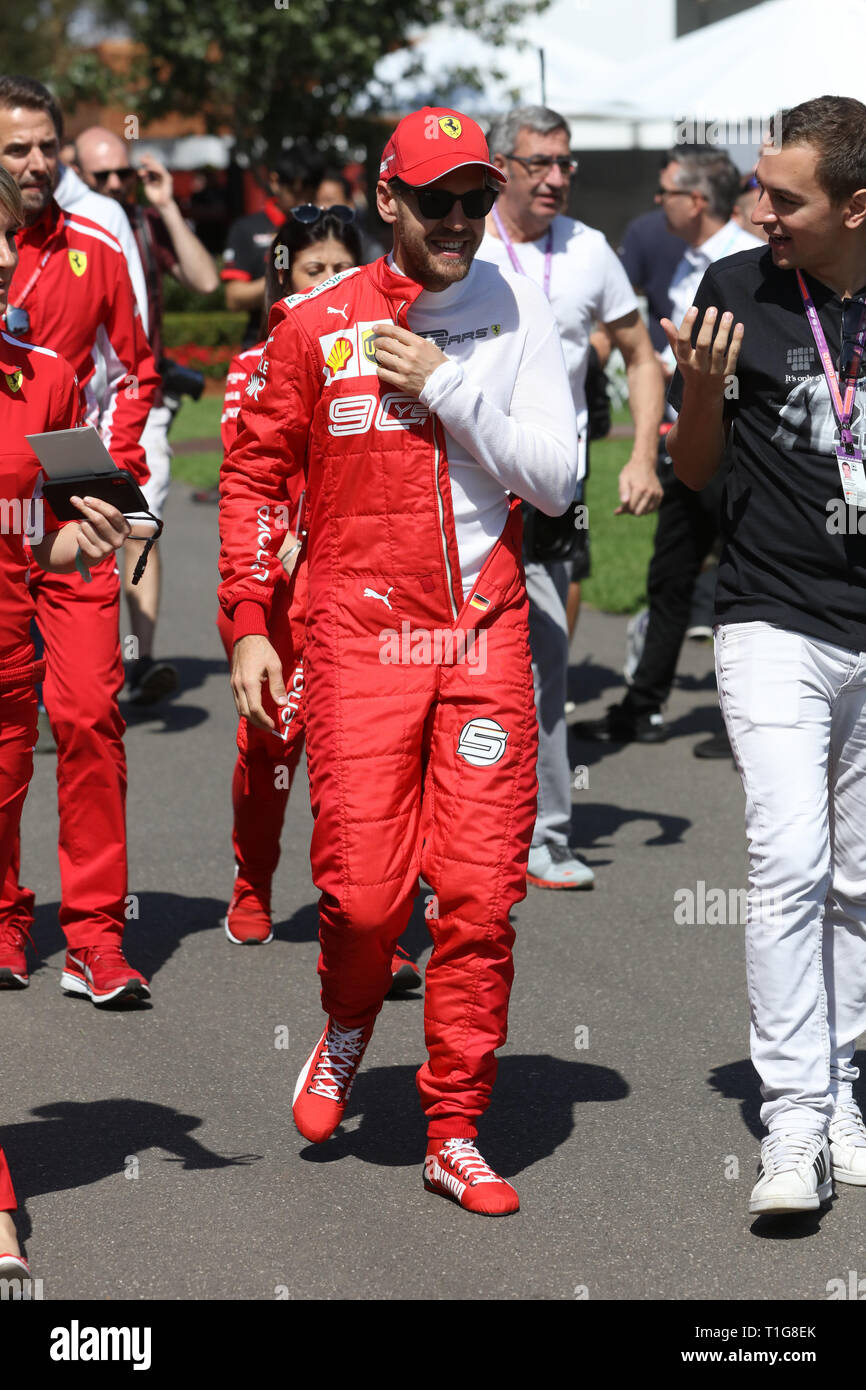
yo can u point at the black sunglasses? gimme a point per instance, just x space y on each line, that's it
104 175
308 214
852 312
17 321
436 203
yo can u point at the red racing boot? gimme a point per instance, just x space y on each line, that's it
325 1083
13 960
103 974
454 1168
248 919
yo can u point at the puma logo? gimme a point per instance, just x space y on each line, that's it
332 310
371 593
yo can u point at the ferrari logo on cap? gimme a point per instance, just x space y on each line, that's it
14 379
78 261
449 125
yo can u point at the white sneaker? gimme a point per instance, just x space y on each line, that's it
848 1144
557 866
793 1174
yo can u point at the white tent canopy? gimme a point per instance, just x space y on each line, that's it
566 69
744 69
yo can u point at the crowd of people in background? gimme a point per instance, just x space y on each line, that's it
94 235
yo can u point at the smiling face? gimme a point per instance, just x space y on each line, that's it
30 149
436 252
802 224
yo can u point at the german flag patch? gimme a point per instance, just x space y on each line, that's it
482 604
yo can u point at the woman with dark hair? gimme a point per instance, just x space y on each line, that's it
313 245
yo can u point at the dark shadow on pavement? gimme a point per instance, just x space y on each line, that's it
149 940
594 823
529 1118
72 1144
588 681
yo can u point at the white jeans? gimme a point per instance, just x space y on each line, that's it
795 710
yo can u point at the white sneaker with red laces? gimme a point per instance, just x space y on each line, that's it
454 1168
323 1088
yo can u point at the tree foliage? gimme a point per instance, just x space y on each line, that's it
268 68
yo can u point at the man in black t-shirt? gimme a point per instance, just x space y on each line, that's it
292 179
769 390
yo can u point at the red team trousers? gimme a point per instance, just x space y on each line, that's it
17 737
267 761
79 626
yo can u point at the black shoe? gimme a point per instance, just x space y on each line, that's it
715 747
150 681
620 726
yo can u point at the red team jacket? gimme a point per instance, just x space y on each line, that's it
378 505
38 392
82 306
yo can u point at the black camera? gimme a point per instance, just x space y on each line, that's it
179 381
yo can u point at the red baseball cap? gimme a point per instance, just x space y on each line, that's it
432 142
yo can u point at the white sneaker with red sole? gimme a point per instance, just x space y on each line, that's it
323 1088
103 975
13 1267
455 1169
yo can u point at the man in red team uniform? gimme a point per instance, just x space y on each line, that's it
417 764
72 292
38 392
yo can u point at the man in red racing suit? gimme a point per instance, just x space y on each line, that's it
421 731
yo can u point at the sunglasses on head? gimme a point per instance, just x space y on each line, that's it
101 178
852 314
436 203
308 214
17 321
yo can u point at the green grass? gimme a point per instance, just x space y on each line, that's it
621 545
197 419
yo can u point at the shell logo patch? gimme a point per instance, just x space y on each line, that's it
14 380
78 261
450 126
339 355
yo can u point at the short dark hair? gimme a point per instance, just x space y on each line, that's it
294 237
331 174
26 91
836 126
710 172
298 166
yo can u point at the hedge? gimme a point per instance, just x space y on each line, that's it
214 328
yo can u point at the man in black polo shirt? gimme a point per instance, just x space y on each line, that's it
780 382
293 178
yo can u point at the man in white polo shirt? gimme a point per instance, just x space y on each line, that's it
585 284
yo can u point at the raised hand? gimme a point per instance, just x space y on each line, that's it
711 362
